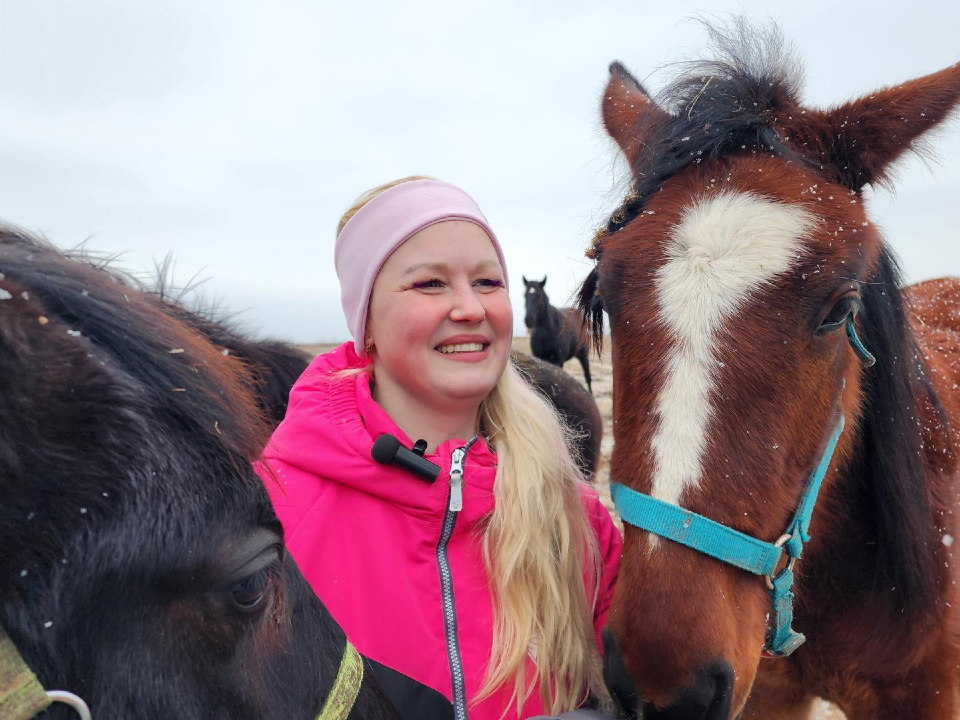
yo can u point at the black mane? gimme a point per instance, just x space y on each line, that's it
891 456
97 383
716 108
130 329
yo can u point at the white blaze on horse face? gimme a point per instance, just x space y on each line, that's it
724 249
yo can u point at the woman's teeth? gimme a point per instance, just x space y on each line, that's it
462 347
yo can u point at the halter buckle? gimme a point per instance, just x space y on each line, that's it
768 579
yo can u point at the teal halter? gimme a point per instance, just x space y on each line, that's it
738 549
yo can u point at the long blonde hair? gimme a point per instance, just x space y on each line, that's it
538 545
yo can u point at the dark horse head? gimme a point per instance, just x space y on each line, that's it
143 567
737 274
536 301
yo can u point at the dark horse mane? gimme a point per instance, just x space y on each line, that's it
891 455
143 370
728 107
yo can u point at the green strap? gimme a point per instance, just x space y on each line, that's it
21 694
346 687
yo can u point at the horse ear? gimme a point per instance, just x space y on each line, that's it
864 137
542 284
525 281
628 112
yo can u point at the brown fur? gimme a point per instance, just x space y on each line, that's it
878 651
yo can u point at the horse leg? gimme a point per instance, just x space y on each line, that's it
583 357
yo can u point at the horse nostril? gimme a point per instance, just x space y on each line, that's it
708 697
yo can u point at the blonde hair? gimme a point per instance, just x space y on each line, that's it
538 545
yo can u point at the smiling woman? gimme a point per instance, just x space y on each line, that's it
483 590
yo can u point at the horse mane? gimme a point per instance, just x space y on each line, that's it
714 108
891 456
590 306
128 329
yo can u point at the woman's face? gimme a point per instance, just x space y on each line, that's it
440 318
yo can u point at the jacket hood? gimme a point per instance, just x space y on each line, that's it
331 424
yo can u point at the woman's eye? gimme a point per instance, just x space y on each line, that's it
837 316
428 284
250 592
490 282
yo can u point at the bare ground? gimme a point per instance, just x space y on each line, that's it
602 381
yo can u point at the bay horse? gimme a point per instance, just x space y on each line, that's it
143 568
554 333
746 289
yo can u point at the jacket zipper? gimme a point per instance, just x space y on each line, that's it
454 506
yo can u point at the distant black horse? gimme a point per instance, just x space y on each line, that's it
143 567
555 333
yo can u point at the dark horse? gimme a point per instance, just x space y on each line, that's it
738 274
574 404
554 333
143 568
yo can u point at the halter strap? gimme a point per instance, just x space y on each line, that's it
21 694
736 548
695 531
346 686
22 697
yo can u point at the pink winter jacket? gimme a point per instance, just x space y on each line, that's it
368 539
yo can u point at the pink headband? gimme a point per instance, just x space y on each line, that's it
385 223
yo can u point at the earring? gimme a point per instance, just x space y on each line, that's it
368 347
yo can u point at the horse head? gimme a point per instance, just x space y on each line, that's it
740 275
143 567
536 300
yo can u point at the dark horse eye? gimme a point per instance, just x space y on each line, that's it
837 316
250 592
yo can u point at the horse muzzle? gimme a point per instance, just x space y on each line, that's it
708 697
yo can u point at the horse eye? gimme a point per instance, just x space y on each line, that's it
837 316
250 592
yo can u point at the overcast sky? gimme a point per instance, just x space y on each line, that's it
234 134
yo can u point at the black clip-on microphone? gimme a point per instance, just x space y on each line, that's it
387 450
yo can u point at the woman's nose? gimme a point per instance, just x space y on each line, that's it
467 306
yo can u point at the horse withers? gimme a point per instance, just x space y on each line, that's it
554 333
143 568
746 289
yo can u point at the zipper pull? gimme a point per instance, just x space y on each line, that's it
456 480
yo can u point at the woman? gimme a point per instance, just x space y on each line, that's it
481 593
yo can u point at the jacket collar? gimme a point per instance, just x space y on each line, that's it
331 423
